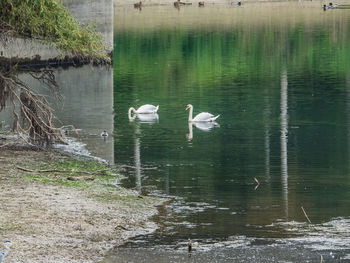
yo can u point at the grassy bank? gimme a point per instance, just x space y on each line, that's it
50 21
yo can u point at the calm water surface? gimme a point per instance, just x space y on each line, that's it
279 76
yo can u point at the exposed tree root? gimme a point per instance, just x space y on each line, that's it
33 119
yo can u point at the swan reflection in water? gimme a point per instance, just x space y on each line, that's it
145 118
204 126
149 118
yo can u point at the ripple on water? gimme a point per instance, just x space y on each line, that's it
332 235
76 147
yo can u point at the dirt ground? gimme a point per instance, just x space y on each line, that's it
53 223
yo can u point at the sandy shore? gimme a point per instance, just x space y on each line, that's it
54 223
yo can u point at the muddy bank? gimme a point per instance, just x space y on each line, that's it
51 222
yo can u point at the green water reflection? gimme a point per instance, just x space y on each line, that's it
283 91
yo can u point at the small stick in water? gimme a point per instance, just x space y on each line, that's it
321 259
302 208
256 180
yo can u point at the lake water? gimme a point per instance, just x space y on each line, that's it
279 76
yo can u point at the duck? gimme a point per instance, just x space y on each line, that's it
201 117
178 3
239 3
200 3
330 6
138 5
104 134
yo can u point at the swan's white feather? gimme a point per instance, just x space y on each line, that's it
205 116
147 108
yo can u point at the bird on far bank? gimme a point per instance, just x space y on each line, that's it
138 5
330 6
178 3
201 117
239 3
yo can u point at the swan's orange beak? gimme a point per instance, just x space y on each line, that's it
187 107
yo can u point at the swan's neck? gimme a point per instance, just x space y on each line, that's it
130 115
131 110
190 114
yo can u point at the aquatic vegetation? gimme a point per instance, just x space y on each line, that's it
50 21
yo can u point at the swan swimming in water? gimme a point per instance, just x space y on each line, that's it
201 117
146 113
144 109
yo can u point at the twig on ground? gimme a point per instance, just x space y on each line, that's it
3 145
101 172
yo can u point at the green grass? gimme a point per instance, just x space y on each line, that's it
50 21
100 188
46 179
72 167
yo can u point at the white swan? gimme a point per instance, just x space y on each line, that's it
145 109
201 117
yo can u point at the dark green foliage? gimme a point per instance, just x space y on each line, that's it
49 20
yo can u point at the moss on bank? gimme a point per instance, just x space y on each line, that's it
100 179
81 173
50 21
